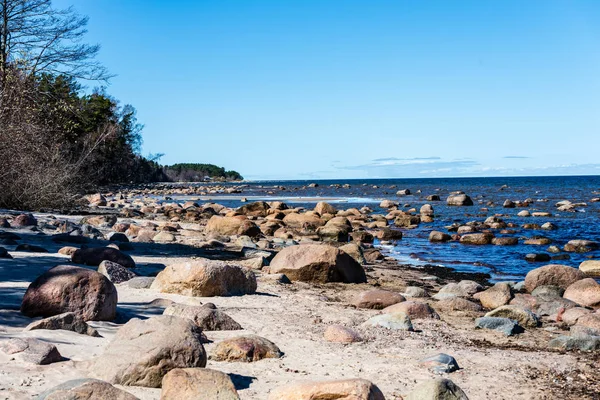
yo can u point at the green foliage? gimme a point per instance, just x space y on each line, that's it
195 172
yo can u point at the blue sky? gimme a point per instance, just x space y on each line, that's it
354 89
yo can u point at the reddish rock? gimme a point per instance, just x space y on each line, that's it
341 334
205 278
95 255
66 288
246 349
496 296
377 299
556 275
317 263
414 309
585 292
197 383
457 304
350 389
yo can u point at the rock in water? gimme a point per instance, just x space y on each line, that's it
437 389
197 383
85 389
246 349
317 263
95 255
459 200
581 246
69 321
24 220
143 351
66 288
31 350
348 389
205 278
207 319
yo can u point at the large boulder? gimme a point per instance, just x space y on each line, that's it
208 319
67 288
224 225
85 389
197 383
348 389
553 274
24 220
325 208
256 209
309 222
205 278
437 236
144 351
459 200
95 255
477 238
317 263
585 292
246 349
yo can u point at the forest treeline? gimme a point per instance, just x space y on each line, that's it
192 172
56 140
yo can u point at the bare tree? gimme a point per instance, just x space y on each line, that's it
37 38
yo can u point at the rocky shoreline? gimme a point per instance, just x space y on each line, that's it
157 299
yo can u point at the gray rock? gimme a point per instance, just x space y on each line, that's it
437 389
507 326
441 363
206 318
85 389
548 292
118 237
393 321
116 273
4 253
68 321
31 350
143 351
140 282
415 291
579 342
